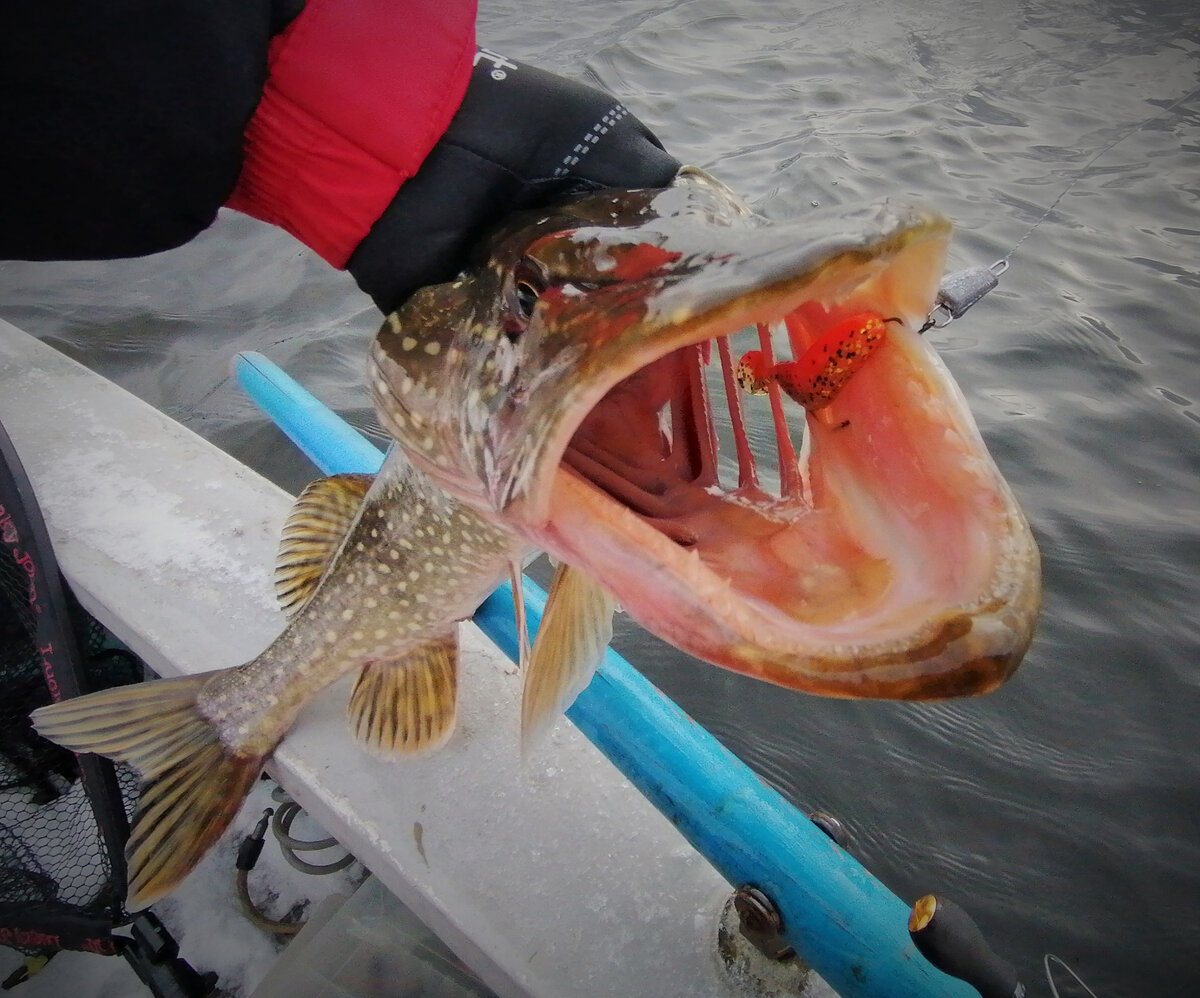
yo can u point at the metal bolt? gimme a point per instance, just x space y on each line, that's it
756 911
761 922
832 827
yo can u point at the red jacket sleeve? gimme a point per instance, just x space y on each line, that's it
357 94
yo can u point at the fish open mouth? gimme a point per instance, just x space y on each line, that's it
844 533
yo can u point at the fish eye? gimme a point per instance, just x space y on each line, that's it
527 297
529 281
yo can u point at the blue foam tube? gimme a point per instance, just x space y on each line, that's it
324 437
850 928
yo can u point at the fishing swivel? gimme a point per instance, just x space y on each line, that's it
960 290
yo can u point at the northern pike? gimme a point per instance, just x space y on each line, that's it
558 395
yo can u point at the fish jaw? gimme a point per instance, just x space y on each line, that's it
903 567
908 573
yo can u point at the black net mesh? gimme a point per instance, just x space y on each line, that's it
53 863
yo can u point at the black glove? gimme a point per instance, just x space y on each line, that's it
521 138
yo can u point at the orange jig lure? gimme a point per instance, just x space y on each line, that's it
822 371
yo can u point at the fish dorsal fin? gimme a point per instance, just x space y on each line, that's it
405 705
319 520
576 628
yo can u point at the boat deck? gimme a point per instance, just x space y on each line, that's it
550 878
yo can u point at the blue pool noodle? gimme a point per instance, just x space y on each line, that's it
848 926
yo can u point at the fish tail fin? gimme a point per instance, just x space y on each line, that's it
193 784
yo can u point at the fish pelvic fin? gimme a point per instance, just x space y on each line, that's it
575 630
193 786
405 705
318 523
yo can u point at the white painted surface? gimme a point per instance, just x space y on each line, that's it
553 879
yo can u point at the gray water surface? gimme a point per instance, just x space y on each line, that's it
1063 810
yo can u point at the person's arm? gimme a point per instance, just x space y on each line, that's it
521 138
369 129
378 145
122 120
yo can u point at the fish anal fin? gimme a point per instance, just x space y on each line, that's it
320 519
193 786
575 630
406 705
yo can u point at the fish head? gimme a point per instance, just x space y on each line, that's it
479 379
566 382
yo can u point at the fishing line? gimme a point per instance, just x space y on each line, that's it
963 288
1082 171
1050 976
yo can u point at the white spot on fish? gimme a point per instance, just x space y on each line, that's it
408 343
433 348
